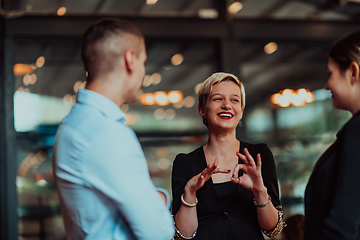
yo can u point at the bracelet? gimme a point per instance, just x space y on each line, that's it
188 204
279 226
262 205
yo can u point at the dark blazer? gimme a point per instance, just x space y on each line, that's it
239 221
332 196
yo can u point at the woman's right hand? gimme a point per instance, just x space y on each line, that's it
196 182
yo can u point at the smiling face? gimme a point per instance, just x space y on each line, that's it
223 107
339 83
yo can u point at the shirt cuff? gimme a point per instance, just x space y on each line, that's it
167 195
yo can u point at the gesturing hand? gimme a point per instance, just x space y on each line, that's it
251 178
196 182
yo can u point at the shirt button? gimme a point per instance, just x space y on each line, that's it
225 215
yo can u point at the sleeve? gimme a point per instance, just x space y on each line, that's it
271 183
343 221
119 170
179 179
269 173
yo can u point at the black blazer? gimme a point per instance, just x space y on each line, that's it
332 196
239 220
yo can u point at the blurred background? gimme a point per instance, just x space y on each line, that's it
278 48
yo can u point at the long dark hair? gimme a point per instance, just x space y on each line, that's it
346 50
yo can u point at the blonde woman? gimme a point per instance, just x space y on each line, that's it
226 189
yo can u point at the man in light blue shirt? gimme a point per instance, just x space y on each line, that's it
100 170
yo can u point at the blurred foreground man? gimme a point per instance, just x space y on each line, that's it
100 170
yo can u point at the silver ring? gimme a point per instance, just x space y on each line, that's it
238 180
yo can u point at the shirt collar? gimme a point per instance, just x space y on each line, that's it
103 104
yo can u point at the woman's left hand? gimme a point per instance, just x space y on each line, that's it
252 177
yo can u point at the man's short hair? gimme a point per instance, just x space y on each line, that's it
105 42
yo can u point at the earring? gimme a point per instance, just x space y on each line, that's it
240 123
204 120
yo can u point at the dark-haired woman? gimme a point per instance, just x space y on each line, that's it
332 196
211 200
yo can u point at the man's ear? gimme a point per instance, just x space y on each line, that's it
355 72
129 58
201 111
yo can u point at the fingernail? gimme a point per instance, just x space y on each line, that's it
233 175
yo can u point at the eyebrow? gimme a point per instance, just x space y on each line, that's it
222 94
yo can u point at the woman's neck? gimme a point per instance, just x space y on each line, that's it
220 144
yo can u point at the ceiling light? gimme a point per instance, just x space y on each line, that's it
208 13
167 67
177 59
197 88
147 99
163 163
289 97
175 96
310 97
26 79
151 2
156 78
283 102
67 99
159 114
270 48
179 104
33 79
296 100
147 81
235 7
21 69
40 62
170 114
162 152
161 98
73 99
130 119
274 99
189 101
61 11
77 85
125 107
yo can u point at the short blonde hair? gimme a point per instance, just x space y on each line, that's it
215 78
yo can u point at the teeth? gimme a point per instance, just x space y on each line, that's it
225 115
